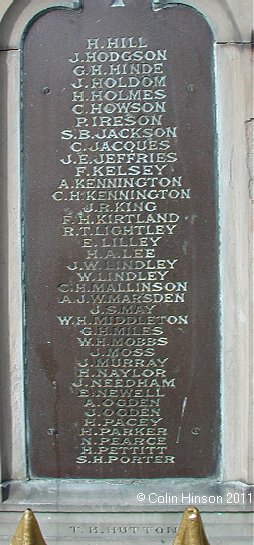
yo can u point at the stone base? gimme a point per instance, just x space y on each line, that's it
129 528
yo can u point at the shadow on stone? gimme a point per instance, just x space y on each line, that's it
191 531
28 531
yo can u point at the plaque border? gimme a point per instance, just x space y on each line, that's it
236 370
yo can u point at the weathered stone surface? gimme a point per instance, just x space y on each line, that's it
136 529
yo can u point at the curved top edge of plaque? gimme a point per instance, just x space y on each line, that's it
82 5
228 23
21 13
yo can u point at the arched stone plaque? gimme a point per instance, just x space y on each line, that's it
121 243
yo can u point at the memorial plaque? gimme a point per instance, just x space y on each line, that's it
120 243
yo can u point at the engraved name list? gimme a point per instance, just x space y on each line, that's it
122 166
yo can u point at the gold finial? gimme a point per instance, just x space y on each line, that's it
191 531
28 531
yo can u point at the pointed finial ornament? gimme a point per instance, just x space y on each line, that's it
191 530
28 531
